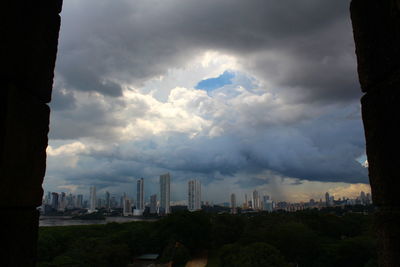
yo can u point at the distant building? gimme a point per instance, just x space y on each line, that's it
369 200
127 206
121 202
267 204
54 200
48 198
79 201
256 200
327 199
62 202
153 204
165 180
92 199
140 194
113 202
233 204
70 201
194 195
107 200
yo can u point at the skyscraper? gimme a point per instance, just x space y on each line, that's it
108 203
54 200
92 200
127 206
327 199
153 204
79 201
194 195
233 204
256 200
267 204
62 202
140 194
48 198
165 181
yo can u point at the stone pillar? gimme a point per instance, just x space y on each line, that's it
376 27
30 36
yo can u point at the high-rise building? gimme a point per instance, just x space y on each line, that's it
256 200
79 201
54 200
48 198
62 202
108 201
140 194
127 206
363 198
246 203
113 202
165 181
121 202
327 199
369 200
153 204
267 203
92 200
233 204
194 195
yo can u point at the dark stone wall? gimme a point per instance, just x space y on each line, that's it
376 27
30 36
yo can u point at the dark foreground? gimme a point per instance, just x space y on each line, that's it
307 238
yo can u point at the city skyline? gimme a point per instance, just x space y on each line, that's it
257 201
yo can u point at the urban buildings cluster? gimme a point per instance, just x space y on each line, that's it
136 207
265 203
253 202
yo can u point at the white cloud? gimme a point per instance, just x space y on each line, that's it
66 150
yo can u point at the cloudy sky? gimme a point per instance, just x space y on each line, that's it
242 95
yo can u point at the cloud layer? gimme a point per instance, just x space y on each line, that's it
126 104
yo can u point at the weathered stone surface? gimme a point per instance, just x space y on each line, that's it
376 27
31 45
29 52
381 122
23 163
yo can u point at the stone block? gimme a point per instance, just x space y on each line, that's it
376 29
23 163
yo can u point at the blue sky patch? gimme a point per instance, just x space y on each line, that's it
214 83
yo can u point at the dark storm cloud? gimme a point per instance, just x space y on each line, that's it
320 149
62 100
89 120
251 182
304 46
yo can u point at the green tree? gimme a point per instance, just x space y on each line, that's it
253 255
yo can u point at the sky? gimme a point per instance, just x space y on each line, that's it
241 95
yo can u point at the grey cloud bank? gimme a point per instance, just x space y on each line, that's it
292 108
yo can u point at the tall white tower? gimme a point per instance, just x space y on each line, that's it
256 200
92 206
165 181
140 194
194 195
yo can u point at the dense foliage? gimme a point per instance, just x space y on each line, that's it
307 238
